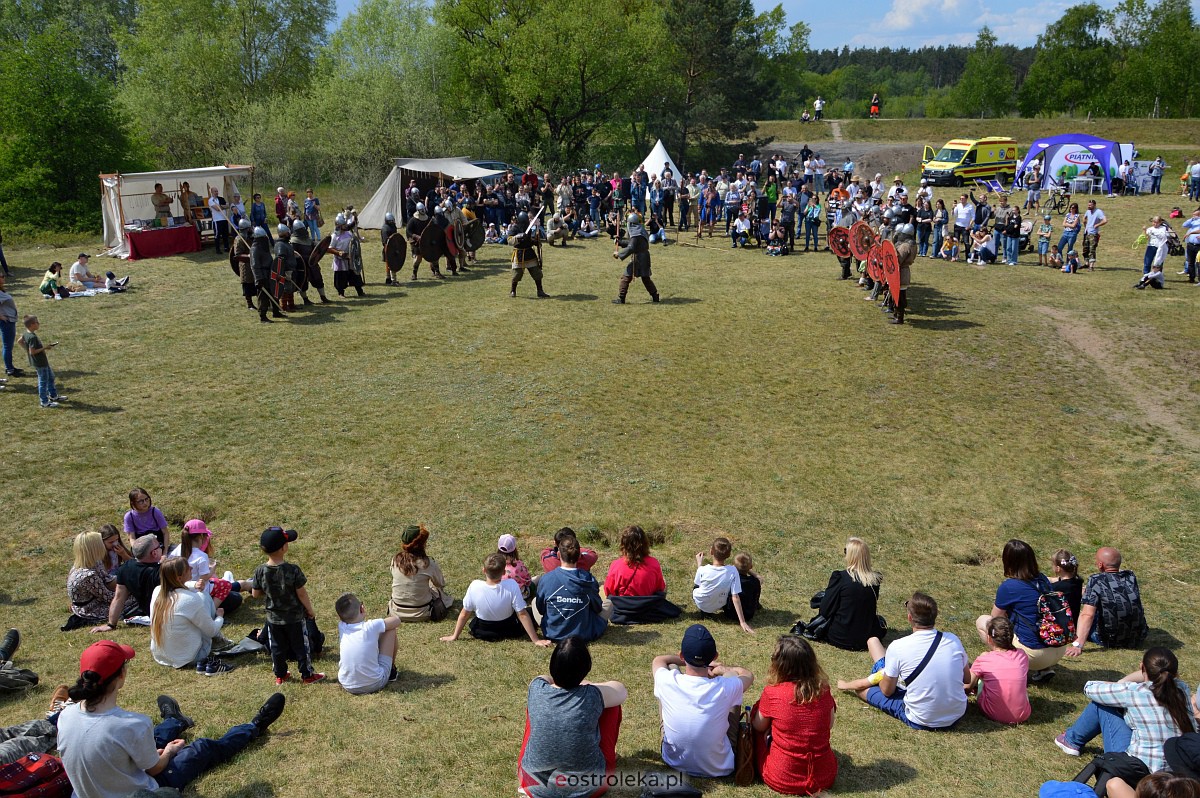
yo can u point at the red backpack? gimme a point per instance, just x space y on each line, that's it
35 776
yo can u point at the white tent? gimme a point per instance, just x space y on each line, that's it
124 197
389 197
653 164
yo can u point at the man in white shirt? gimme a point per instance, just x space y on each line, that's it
368 648
79 273
931 665
1191 243
897 188
701 703
819 173
1093 220
1194 182
220 221
739 231
818 108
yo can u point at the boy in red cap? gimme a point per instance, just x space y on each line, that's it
288 606
91 730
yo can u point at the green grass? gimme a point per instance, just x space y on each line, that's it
763 400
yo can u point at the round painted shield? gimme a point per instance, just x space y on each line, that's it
862 238
874 263
319 251
839 242
890 263
395 252
475 234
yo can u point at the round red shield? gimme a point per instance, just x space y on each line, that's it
891 269
862 238
839 241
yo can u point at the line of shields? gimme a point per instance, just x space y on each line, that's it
280 282
860 242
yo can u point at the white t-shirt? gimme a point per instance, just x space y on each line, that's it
78 272
713 586
493 602
1091 219
818 104
936 699
198 560
106 754
964 215
695 725
214 207
359 666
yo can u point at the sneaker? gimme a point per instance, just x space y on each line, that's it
59 398
10 644
269 712
393 675
1064 746
15 372
216 667
313 678
50 404
287 677
169 708
228 577
1044 675
59 700
201 664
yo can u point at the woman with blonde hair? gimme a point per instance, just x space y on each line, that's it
851 598
794 719
89 586
418 587
182 623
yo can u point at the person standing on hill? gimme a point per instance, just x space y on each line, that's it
1093 220
818 108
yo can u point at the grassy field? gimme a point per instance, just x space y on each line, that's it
1172 132
763 400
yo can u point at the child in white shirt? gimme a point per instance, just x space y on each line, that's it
717 583
499 609
368 648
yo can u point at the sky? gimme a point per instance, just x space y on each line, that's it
909 23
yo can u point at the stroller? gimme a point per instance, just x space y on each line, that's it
1174 245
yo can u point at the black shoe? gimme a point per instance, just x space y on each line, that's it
393 675
325 300
269 712
264 320
277 315
654 299
169 708
543 295
12 641
512 293
896 320
618 301
15 372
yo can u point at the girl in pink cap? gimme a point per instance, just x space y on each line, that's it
226 592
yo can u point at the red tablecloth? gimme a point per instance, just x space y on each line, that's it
163 242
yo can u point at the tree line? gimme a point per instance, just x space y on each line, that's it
90 86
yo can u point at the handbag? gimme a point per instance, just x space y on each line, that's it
437 608
743 751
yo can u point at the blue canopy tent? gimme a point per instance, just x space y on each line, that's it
1065 155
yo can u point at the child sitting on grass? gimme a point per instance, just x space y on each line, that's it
1055 259
514 569
1003 695
368 648
751 589
1067 580
718 583
1071 266
499 610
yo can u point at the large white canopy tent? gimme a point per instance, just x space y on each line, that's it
127 196
653 163
389 197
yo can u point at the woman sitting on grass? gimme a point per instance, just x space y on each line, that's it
418 586
793 720
182 624
1017 599
635 583
89 587
851 600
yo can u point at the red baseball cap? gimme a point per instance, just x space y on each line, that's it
105 658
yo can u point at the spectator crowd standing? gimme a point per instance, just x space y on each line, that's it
922 678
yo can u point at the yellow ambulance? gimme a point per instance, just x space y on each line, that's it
961 161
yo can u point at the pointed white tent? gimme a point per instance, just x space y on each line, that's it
653 164
389 197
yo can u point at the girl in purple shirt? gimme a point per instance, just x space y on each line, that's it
144 518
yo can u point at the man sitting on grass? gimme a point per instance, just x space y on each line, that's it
932 665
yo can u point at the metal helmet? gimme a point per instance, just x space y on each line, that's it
523 217
633 218
243 224
340 219
389 217
299 226
420 209
889 214
260 232
906 229
283 229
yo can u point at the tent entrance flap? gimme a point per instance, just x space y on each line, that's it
389 197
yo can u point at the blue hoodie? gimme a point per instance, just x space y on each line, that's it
569 601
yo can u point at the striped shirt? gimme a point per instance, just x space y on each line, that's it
1149 721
